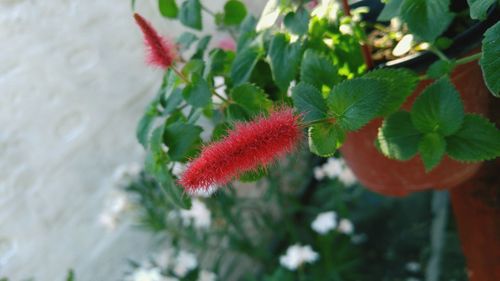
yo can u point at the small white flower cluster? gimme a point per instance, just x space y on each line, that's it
297 255
199 216
118 202
179 264
327 221
335 168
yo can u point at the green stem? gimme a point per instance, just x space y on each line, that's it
186 80
207 10
468 59
438 53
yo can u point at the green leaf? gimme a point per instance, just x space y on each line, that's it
146 122
356 102
438 109
440 68
182 140
432 148
269 15
325 138
168 8
243 64
156 165
185 40
297 22
426 18
234 112
490 60
190 14
477 140
479 8
70 276
252 176
318 70
197 93
201 47
391 10
252 98
285 59
172 101
400 85
309 102
234 12
397 137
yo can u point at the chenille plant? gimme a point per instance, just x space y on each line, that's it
311 59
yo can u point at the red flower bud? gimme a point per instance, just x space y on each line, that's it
249 146
161 52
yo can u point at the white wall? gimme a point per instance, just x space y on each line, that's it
72 87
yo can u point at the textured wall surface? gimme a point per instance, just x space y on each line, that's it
72 86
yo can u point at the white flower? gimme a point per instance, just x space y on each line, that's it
206 276
199 215
413 266
319 174
184 263
347 177
290 88
345 226
346 29
164 258
146 274
324 222
296 255
115 208
335 168
204 192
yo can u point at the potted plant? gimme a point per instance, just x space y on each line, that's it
314 57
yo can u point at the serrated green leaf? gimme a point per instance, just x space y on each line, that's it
325 138
479 8
318 70
190 14
356 102
219 62
243 64
400 84
197 93
426 18
185 40
182 140
297 22
252 98
432 148
391 10
285 59
438 109
490 60
397 137
168 8
309 102
234 12
440 68
234 112
477 140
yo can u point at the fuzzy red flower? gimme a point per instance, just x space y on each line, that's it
246 148
161 52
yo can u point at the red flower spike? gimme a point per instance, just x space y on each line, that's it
161 52
246 148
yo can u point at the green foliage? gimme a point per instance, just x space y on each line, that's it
432 148
440 68
400 84
426 18
244 63
168 8
477 140
391 10
297 22
479 8
182 140
285 59
251 98
71 275
186 39
190 14
398 138
197 93
234 12
318 70
325 139
490 60
356 102
438 109
309 102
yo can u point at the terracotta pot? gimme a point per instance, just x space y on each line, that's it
397 178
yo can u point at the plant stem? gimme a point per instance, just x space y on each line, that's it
207 10
468 59
186 80
438 53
